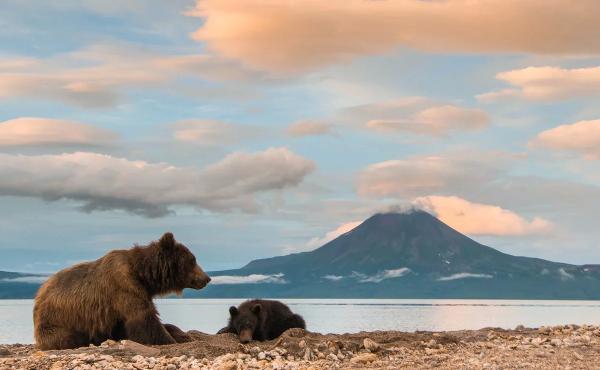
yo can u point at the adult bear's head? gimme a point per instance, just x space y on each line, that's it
167 266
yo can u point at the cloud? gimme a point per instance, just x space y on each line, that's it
416 115
274 168
434 121
317 242
494 96
248 279
547 83
340 230
389 109
382 275
333 277
465 275
308 128
298 36
211 132
99 76
26 279
582 137
103 182
212 68
481 219
376 278
427 174
565 275
57 88
30 131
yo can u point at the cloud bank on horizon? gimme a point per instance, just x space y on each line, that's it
263 127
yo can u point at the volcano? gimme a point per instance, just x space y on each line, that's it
406 255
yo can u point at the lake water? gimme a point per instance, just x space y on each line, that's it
348 315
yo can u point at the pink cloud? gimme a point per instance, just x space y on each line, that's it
582 137
428 174
547 83
98 76
297 36
435 120
31 131
481 219
308 128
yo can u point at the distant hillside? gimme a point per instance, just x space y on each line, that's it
391 255
15 285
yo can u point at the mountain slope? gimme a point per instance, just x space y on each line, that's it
14 285
409 255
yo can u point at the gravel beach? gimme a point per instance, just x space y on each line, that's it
564 347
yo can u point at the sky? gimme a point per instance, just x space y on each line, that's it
265 127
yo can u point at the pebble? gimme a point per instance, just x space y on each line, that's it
371 345
332 357
364 358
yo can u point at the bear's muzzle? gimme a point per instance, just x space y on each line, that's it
245 335
199 278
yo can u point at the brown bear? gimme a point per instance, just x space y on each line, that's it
111 298
261 319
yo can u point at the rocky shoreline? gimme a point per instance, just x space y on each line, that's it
564 347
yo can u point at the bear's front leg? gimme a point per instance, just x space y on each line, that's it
179 335
146 328
226 329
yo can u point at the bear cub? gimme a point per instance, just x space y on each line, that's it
260 319
111 298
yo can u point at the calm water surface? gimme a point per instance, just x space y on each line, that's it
348 315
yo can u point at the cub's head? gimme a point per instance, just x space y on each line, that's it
179 265
245 320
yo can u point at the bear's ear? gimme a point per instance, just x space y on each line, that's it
233 311
256 308
167 241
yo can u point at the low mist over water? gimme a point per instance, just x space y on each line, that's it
353 315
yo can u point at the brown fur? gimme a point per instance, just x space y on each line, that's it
111 298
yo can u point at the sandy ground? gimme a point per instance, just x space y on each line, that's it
561 347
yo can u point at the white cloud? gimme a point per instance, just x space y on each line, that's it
30 131
333 277
317 242
481 219
465 275
582 137
547 83
565 275
381 275
26 279
298 36
248 279
103 182
329 236
308 128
